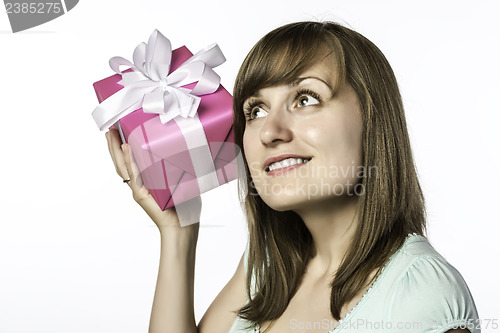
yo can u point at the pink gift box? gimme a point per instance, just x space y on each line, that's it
160 150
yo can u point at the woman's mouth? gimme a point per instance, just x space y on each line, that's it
286 165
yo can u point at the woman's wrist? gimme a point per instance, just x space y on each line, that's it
177 229
178 238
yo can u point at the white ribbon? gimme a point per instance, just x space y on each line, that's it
151 86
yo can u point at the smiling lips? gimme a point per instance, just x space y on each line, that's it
284 162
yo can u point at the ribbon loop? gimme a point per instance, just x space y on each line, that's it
210 55
139 56
116 62
158 56
187 74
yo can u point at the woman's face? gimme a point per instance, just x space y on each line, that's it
320 132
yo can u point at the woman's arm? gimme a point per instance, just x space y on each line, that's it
173 305
174 296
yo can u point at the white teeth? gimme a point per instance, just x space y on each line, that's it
286 162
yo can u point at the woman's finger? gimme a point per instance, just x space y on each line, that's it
108 139
132 169
117 153
135 168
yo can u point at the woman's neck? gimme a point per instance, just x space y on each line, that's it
332 224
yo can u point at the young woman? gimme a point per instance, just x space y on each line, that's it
335 211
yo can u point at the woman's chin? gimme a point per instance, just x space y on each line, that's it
283 203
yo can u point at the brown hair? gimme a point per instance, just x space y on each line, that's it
392 204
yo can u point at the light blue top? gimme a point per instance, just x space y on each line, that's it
417 291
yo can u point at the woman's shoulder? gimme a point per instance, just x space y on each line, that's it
417 256
419 262
424 285
417 246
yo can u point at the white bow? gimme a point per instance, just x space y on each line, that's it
150 86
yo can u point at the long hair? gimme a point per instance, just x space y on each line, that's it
392 203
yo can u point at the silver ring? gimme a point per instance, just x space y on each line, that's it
126 180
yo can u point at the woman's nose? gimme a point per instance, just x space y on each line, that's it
276 127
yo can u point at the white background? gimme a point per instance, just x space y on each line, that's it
78 255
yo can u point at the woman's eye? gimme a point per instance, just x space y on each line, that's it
258 112
306 100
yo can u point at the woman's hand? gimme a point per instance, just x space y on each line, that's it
126 168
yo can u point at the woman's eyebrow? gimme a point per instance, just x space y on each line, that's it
294 83
300 79
255 94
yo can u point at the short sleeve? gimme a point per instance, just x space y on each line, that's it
431 296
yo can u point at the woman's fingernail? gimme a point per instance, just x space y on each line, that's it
123 148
